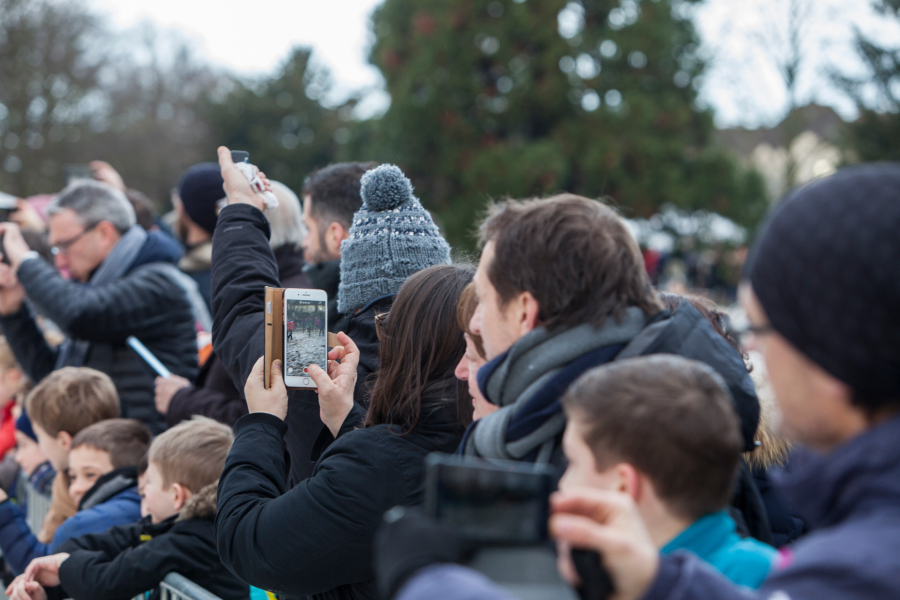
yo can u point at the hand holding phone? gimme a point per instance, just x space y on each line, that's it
336 386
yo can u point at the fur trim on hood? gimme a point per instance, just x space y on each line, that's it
773 450
201 505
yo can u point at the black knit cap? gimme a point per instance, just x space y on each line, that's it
826 270
200 189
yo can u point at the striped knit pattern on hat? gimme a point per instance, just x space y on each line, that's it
392 237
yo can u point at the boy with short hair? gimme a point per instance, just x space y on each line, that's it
180 493
663 429
59 407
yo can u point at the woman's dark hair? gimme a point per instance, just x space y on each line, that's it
421 344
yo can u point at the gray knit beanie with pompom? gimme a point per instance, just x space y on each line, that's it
391 238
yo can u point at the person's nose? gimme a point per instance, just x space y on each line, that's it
475 321
462 369
60 261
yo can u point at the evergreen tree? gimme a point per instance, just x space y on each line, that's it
280 121
528 97
876 134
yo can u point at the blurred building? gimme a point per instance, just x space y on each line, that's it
805 145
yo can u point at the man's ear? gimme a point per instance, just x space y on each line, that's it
181 495
529 310
65 440
630 481
334 235
108 233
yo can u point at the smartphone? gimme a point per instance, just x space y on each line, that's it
239 156
490 502
75 173
305 335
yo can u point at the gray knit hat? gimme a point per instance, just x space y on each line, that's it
391 238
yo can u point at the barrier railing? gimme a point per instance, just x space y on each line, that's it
36 505
173 587
179 587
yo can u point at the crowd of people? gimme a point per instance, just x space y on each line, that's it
684 467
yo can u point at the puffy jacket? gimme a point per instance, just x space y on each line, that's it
315 539
147 302
113 500
243 265
128 560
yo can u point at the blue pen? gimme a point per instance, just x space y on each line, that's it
148 356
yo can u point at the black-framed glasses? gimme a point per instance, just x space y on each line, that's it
63 247
380 319
759 329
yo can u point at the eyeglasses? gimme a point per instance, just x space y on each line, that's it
759 329
379 323
63 247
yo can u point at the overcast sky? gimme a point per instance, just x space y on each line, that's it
743 35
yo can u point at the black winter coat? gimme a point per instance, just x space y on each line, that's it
243 265
214 394
316 538
146 303
128 560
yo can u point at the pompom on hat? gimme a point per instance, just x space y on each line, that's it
392 237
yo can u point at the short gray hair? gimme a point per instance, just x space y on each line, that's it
94 202
286 221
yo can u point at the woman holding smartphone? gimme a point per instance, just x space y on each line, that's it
316 539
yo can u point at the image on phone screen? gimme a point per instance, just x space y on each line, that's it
306 336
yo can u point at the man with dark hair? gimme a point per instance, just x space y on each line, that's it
562 288
330 199
391 237
821 293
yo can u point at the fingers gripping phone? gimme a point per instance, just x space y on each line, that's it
305 335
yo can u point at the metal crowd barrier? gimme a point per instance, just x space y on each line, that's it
173 587
36 505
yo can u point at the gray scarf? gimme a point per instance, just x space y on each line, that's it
528 366
72 353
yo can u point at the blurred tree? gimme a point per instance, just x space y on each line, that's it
50 58
280 120
876 134
528 97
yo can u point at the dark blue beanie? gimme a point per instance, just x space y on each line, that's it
200 190
23 424
825 271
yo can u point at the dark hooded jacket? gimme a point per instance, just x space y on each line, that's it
214 394
147 302
128 560
315 539
243 265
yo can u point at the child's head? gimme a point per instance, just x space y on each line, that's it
661 428
28 453
65 402
104 447
12 379
182 461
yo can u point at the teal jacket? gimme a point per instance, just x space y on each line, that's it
714 540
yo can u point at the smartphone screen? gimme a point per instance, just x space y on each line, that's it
305 336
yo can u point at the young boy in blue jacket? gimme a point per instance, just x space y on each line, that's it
103 483
58 408
662 429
